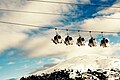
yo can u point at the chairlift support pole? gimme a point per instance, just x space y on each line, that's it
56 31
67 32
79 33
102 34
90 33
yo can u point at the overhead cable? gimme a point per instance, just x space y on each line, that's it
70 3
31 25
46 13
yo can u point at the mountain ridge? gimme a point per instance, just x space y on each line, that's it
83 63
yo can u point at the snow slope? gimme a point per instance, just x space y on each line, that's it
85 62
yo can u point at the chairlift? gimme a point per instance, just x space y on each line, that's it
104 41
92 42
68 39
57 38
80 40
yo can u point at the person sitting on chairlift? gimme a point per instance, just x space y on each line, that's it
57 39
80 41
68 40
92 42
104 42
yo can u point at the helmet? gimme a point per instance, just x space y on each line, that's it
83 39
70 38
59 37
106 40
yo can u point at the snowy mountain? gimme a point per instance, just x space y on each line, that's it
90 67
83 63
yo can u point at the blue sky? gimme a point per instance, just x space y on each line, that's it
26 50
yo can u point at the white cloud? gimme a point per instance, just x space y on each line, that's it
102 24
85 1
37 19
9 39
56 60
11 53
14 3
24 67
12 35
43 46
110 10
10 63
39 62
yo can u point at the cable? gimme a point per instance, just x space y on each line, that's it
21 24
69 3
32 12
53 13
54 28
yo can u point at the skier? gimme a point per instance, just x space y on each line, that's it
68 40
57 39
92 42
104 42
80 41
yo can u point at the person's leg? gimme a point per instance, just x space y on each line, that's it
54 41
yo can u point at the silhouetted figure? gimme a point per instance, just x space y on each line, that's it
80 41
104 42
92 42
68 40
57 39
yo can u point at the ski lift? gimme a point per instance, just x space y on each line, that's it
57 38
92 42
80 40
68 39
104 41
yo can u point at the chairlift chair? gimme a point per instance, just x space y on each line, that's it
57 38
104 41
80 41
92 42
68 40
